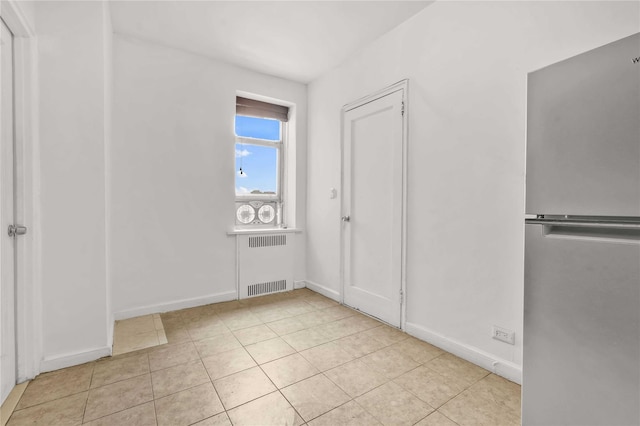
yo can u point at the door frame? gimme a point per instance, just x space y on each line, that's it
402 85
28 303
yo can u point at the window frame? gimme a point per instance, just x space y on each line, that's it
279 197
270 144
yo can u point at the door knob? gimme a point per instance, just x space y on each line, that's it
17 230
346 218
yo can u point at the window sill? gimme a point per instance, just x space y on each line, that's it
244 231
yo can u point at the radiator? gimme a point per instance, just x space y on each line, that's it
265 264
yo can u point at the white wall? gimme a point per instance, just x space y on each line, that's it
73 132
467 63
172 175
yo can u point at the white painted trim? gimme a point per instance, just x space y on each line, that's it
30 335
237 267
173 306
405 179
111 323
29 294
259 231
325 291
76 358
299 284
107 34
13 16
400 85
501 367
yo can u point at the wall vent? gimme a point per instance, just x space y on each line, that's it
264 288
268 241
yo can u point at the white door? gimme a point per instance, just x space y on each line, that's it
372 206
7 250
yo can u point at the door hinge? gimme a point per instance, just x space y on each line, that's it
402 108
401 297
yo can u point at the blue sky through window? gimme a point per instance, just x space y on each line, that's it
258 163
260 128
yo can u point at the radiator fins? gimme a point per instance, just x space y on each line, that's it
268 287
268 241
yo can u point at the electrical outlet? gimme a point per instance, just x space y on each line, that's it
503 335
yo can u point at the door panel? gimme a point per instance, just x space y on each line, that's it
7 265
372 198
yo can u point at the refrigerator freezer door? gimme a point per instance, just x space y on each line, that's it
583 134
581 363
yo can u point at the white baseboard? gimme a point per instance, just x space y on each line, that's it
325 291
68 360
299 284
173 306
506 369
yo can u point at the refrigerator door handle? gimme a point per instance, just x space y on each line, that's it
584 223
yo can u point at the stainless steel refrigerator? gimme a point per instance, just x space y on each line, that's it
581 360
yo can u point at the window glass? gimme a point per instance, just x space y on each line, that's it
259 128
259 146
256 169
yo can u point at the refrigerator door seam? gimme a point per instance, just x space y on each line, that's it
585 223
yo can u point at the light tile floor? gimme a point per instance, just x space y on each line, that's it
138 333
284 359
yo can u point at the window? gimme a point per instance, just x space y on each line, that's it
260 133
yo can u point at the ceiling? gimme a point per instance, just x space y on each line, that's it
296 40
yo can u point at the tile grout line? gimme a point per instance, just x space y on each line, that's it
186 326
124 409
48 401
155 411
294 408
457 394
115 412
86 402
279 390
354 399
443 414
328 378
215 390
291 384
272 382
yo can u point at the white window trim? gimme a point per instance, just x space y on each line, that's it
281 168
279 146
